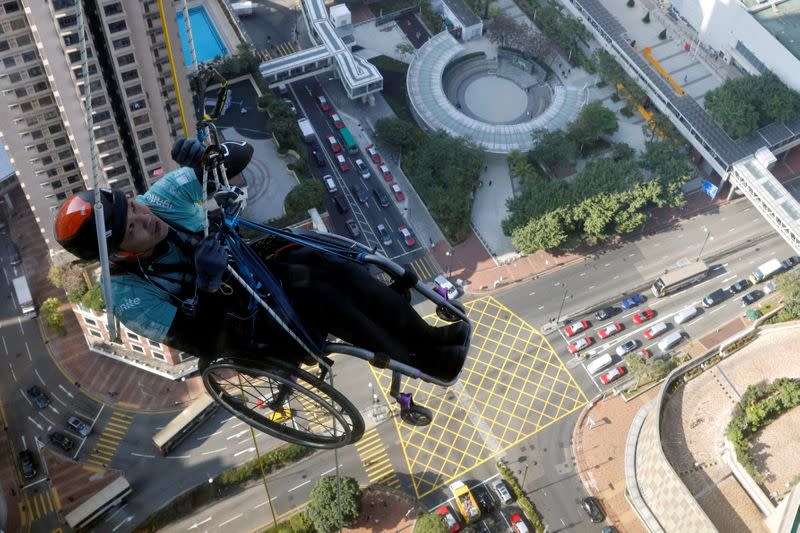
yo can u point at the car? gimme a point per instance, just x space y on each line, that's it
645 354
716 297
40 399
13 253
385 172
323 102
605 313
518 524
290 104
340 202
484 499
739 286
79 426
769 287
61 440
406 235
579 344
330 183
362 167
655 330
627 346
643 316
449 518
386 238
341 160
751 297
576 327
790 262
334 144
352 228
592 508
381 197
28 464
361 193
398 193
373 154
633 301
337 121
442 281
319 158
500 488
609 330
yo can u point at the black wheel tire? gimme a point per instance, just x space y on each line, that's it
281 372
416 415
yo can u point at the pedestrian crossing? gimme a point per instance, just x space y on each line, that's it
424 267
279 50
376 460
109 440
38 505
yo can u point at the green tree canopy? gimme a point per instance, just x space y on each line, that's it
93 299
542 233
593 122
324 504
430 523
552 148
395 132
308 193
670 166
51 310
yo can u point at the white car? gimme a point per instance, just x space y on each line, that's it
330 184
363 169
442 281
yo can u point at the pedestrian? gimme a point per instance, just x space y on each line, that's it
486 168
480 183
686 79
490 183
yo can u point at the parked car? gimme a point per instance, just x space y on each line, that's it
405 234
323 102
79 426
592 508
352 228
330 183
363 169
28 464
398 193
576 327
627 346
319 158
334 144
449 518
290 104
643 316
385 172
446 284
386 238
500 488
381 197
714 298
341 160
655 330
633 301
40 399
484 499
61 440
769 287
361 193
579 344
751 297
739 286
337 121
645 354
606 312
609 330
518 524
340 202
373 154
790 262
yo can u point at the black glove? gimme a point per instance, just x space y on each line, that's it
210 260
188 153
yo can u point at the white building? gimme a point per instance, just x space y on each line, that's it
459 18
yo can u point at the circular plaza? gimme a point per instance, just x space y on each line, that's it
497 102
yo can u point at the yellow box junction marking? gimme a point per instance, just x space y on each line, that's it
110 438
376 460
512 386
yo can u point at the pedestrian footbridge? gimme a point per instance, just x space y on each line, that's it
359 77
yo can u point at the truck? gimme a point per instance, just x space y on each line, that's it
306 129
465 501
24 297
766 271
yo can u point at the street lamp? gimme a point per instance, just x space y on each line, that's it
449 254
708 237
564 299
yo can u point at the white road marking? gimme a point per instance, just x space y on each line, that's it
66 391
329 471
729 278
115 513
36 424
531 294
48 420
214 451
207 436
583 274
541 307
631 255
62 402
231 520
142 455
13 375
122 523
5 347
36 370
27 349
264 502
53 409
717 309
300 485
607 265
237 425
200 523
237 435
246 450
177 457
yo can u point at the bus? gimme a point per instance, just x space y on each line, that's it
680 278
349 142
92 509
184 424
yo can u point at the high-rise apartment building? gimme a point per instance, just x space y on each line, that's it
134 97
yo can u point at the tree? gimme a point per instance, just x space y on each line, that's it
630 3
592 123
542 233
608 68
637 366
552 147
56 275
324 505
789 285
671 166
405 49
663 34
51 310
646 18
93 299
430 523
308 193
395 132
505 31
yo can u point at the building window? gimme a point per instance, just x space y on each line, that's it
4 46
152 160
105 130
79 71
23 40
36 135
101 116
127 59
97 101
112 9
74 178
61 4
110 159
153 343
158 355
27 57
20 92
41 147
61 196
45 101
75 56
52 173
71 39
130 75
90 321
95 333
61 141
56 184
121 43
69 167
183 356
108 145
115 172
134 90
66 154
116 27
139 104
46 160
9 61
67 21
137 348
17 24
148 147
51 114
34 71
15 77
40 86
11 7
132 336
26 107
141 120
143 134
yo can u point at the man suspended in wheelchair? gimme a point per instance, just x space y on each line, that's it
170 284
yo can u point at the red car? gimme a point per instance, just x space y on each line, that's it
449 519
334 144
373 154
611 329
643 316
337 121
611 375
518 524
645 353
579 344
323 102
398 194
655 330
406 235
577 327
344 166
385 172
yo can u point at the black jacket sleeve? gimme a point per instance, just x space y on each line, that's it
202 333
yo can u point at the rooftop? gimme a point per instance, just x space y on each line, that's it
461 10
783 22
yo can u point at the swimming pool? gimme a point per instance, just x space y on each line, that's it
207 42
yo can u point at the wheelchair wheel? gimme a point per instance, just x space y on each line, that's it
448 316
416 415
284 401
